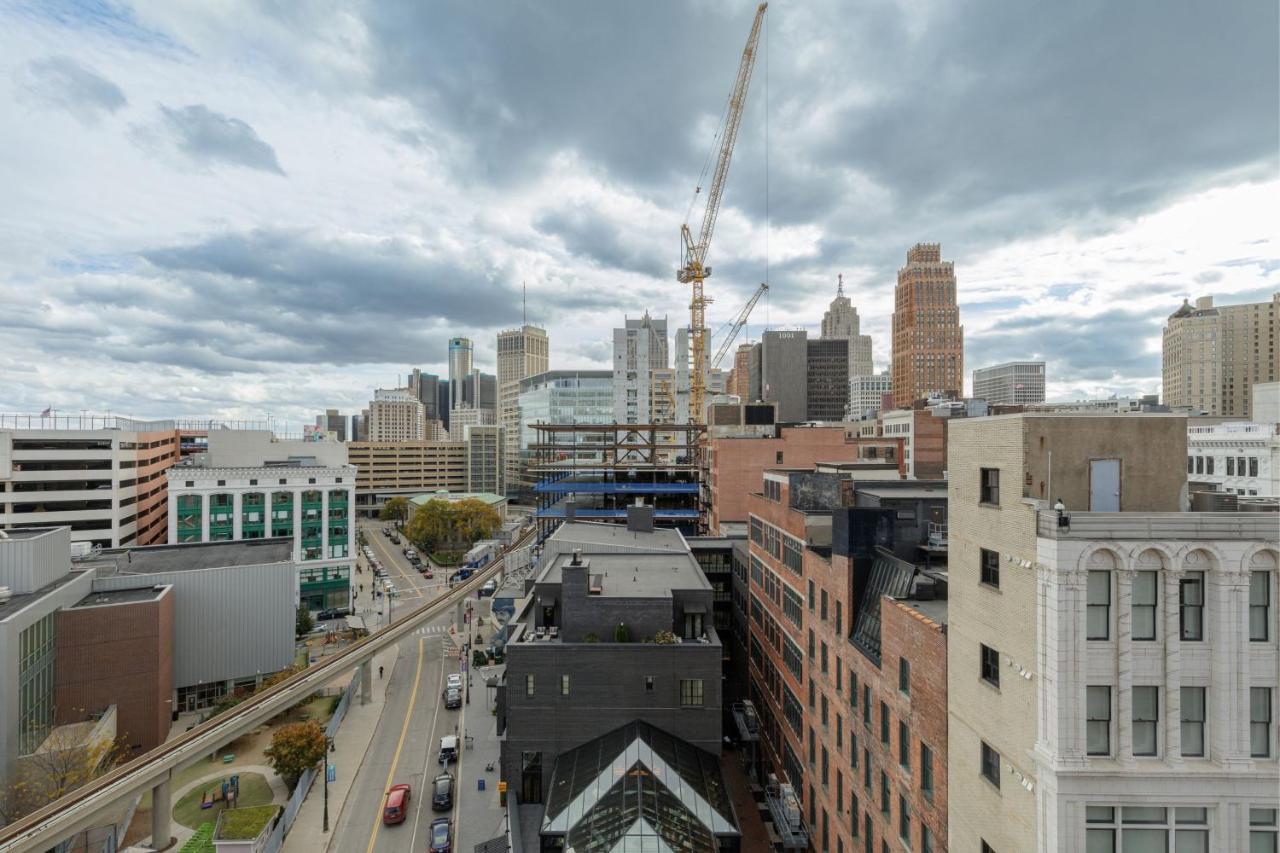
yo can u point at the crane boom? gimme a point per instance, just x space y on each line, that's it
737 325
695 270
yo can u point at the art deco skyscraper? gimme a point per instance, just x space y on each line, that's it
928 340
522 353
842 322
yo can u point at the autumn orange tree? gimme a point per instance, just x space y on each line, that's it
295 748
439 524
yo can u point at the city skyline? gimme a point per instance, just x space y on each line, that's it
290 200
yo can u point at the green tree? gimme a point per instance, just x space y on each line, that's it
63 763
476 520
303 623
440 525
295 748
396 509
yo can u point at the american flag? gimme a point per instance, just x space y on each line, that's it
48 411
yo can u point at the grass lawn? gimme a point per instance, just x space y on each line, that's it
254 791
245 824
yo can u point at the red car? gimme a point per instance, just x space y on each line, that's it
397 806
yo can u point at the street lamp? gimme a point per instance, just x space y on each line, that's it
328 742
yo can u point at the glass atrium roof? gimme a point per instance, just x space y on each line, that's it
638 789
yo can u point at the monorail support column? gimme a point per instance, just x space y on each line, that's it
161 813
366 682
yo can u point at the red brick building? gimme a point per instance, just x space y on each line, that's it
847 649
116 648
737 464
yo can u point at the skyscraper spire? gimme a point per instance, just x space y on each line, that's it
839 284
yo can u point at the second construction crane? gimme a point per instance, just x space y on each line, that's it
695 269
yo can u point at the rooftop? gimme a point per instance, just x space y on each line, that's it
633 574
1159 526
585 534
110 597
19 602
26 533
446 495
907 492
199 555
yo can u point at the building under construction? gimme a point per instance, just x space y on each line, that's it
595 471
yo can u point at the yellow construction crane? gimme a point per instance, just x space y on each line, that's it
695 270
738 324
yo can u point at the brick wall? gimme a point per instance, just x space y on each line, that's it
118 655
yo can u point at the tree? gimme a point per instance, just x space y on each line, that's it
438 524
303 623
63 763
295 748
396 509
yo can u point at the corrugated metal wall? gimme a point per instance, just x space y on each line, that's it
229 622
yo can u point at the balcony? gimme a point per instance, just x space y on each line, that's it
784 807
1158 525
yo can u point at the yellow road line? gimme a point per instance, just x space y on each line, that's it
395 759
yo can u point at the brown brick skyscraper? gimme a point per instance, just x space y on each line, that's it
928 340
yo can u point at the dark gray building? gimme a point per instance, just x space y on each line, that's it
827 379
617 627
778 373
426 388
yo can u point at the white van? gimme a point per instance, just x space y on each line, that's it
448 749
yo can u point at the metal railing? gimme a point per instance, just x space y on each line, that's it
1158 525
78 810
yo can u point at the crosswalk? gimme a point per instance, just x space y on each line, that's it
428 630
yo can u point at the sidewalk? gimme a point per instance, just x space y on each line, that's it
350 744
480 818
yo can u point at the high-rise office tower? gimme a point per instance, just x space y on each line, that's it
639 348
928 340
1214 355
741 376
522 353
334 422
779 373
396 415
426 388
460 352
1011 383
842 321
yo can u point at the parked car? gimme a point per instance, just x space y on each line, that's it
395 539
454 680
426 572
489 588
462 574
448 749
332 613
452 698
442 792
441 835
397 805
410 553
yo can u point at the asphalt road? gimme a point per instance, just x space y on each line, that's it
406 743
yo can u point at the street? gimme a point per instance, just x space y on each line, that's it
406 743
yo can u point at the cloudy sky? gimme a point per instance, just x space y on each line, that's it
233 208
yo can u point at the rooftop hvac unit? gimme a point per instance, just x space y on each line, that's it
5 594
81 549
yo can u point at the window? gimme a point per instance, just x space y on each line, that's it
813 694
1208 464
1098 727
839 618
904 821
1253 466
1146 720
823 703
1099 605
824 657
1259 606
989 492
866 705
1262 830
904 745
990 666
990 764
822 607
926 770
826 766
813 748
926 839
813 643
839 733
648 684
990 567
1191 606
1192 721
813 596
866 769
564 685
1231 466
1146 828
691 692
1260 722
1145 585
528 686
885 807
884 725
904 676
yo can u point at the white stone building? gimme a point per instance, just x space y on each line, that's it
1010 383
639 348
866 393
1156 676
250 485
1239 458
841 321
